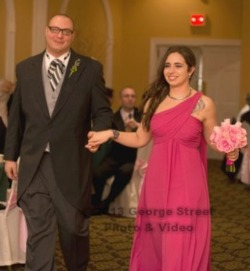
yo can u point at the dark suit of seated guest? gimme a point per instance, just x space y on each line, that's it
119 162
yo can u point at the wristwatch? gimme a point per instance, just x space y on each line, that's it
115 134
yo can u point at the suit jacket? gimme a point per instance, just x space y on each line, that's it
118 152
82 98
2 135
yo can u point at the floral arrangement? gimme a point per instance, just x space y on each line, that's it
227 138
73 69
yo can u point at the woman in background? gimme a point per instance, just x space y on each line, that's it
172 228
6 89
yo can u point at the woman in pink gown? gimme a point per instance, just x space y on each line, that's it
172 227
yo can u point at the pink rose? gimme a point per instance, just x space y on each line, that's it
229 137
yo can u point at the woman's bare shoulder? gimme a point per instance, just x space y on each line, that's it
204 105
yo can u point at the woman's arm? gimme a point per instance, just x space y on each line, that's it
209 120
208 117
130 139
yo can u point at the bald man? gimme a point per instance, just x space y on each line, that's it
119 162
59 93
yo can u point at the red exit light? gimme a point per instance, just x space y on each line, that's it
197 20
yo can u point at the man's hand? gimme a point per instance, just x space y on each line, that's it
11 170
6 86
98 138
131 124
95 148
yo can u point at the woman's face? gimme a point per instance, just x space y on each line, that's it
176 71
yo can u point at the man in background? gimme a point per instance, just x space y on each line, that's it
245 108
119 161
59 95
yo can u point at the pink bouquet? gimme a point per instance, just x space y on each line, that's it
229 137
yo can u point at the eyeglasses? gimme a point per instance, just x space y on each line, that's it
57 30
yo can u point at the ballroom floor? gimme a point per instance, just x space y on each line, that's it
111 237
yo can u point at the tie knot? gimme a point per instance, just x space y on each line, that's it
57 62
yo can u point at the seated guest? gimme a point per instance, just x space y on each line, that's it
245 108
242 171
119 161
245 165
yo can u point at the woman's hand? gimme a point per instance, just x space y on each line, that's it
98 138
233 155
6 86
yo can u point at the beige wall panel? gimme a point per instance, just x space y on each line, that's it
90 27
146 19
135 22
54 7
118 24
245 75
24 10
2 43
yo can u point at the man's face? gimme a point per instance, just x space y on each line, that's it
59 35
128 98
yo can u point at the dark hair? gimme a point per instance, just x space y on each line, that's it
160 88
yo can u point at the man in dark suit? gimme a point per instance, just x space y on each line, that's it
57 95
119 162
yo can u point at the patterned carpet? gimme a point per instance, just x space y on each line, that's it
111 237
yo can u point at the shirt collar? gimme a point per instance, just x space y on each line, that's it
125 114
64 58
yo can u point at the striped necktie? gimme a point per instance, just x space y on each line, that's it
55 72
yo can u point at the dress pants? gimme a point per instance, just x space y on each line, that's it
45 208
122 173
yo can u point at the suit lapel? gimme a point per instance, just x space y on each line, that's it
74 69
37 65
118 121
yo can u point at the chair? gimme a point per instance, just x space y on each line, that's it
126 203
4 183
12 222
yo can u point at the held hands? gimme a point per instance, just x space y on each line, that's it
97 138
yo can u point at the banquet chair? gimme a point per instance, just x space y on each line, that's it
126 203
4 183
245 165
12 231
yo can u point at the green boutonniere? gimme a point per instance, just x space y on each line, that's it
73 69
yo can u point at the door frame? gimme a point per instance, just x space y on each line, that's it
155 43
